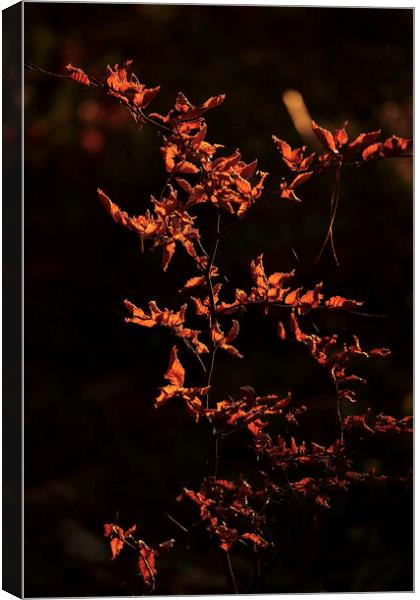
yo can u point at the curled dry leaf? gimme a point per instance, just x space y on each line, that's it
117 537
255 539
287 190
223 341
78 75
339 302
166 318
327 139
229 509
170 223
127 88
248 411
335 357
147 565
199 281
175 375
295 160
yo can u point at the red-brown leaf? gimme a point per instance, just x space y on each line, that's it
256 539
78 75
176 372
339 302
325 137
147 565
372 151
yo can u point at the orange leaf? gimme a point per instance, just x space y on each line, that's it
325 137
372 151
248 170
116 546
191 112
362 141
339 302
223 341
117 535
256 539
168 252
340 135
118 215
300 179
312 298
147 565
78 75
396 145
176 372
281 332
294 159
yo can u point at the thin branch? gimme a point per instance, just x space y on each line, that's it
134 108
253 588
334 204
36 69
210 262
291 307
150 120
213 310
233 588
216 453
340 418
177 523
196 354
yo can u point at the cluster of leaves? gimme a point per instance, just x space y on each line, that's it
338 151
146 555
232 511
334 356
238 512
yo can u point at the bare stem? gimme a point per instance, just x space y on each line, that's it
233 588
334 204
213 310
340 419
216 453
177 523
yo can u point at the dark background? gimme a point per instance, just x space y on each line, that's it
95 449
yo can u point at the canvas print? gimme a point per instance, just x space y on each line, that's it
218 259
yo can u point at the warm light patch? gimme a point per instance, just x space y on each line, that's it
299 114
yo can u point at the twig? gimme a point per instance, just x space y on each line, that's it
290 307
230 574
134 108
253 588
334 204
216 453
194 351
36 69
213 310
210 262
340 419
177 523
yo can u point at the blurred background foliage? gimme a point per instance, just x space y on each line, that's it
95 448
